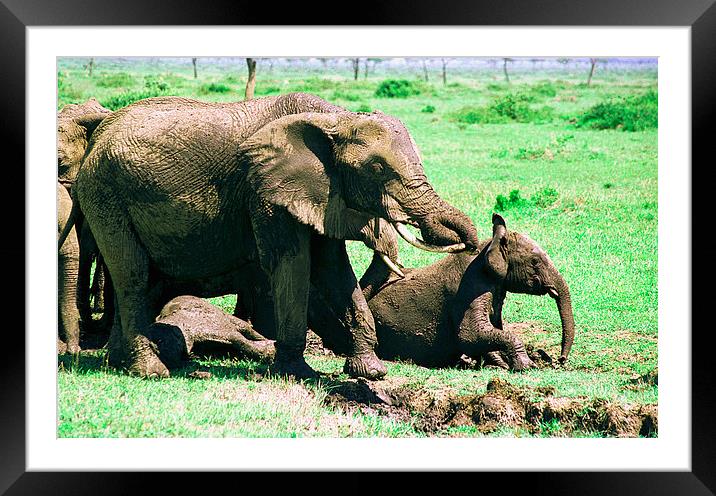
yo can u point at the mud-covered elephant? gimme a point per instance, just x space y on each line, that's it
68 261
191 325
75 125
190 191
437 313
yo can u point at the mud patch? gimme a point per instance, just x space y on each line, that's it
502 405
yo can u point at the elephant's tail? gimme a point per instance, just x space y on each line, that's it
71 220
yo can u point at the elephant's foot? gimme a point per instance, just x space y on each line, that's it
494 359
522 362
141 361
73 348
366 365
263 350
292 367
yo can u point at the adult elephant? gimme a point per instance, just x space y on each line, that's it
75 125
435 314
187 190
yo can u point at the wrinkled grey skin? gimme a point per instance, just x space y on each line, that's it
75 125
181 190
454 306
187 324
67 266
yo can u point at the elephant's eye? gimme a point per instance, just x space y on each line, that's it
378 166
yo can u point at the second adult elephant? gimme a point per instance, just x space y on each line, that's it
67 266
75 125
188 190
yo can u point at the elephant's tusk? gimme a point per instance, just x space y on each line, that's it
392 265
419 243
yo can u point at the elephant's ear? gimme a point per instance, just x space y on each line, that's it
495 257
90 122
290 163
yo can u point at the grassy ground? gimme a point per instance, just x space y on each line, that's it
591 203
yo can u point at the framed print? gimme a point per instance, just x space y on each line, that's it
549 148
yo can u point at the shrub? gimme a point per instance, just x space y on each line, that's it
496 87
428 109
155 83
267 90
543 89
544 197
213 88
511 107
635 113
541 199
314 85
513 200
478 115
396 88
363 108
115 80
344 95
123 99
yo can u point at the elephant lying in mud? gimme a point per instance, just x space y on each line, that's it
188 324
187 191
437 313
434 314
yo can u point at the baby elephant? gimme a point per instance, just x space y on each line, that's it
437 313
188 324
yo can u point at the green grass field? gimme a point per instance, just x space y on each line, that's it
591 203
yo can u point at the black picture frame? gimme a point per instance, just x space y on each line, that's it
16 15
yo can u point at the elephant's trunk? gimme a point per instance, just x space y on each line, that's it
441 224
564 305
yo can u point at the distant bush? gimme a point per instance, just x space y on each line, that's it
267 90
314 84
503 202
544 89
397 88
156 83
123 99
207 88
541 199
428 109
478 115
115 80
496 87
510 107
344 95
364 108
634 113
544 197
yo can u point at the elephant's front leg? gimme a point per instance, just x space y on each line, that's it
477 336
285 257
332 275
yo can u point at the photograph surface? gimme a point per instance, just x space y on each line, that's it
357 247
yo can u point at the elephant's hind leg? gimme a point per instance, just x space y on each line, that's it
128 265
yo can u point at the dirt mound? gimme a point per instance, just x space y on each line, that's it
502 405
